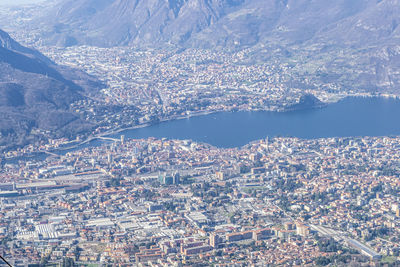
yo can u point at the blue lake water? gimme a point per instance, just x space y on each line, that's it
349 117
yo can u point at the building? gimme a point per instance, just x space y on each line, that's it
152 254
262 234
302 229
167 179
214 240
233 237
220 175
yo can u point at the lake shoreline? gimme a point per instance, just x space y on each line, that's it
156 129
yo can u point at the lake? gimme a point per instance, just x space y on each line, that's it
354 116
350 117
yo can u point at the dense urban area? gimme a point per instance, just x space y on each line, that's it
155 202
143 87
279 201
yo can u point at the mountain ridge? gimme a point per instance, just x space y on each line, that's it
212 23
34 94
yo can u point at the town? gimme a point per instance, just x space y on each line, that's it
148 86
76 191
161 202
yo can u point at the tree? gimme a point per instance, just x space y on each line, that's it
328 245
68 262
322 261
169 206
45 260
115 182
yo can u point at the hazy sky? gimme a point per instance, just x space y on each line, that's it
19 2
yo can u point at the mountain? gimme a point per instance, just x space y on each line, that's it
350 45
283 22
35 95
377 24
130 22
211 23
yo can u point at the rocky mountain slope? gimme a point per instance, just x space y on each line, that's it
35 95
131 22
355 43
211 23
